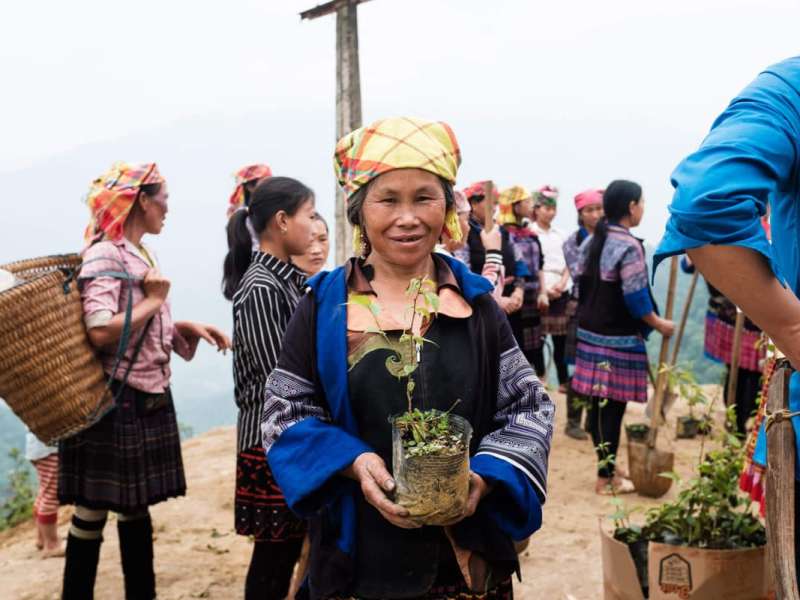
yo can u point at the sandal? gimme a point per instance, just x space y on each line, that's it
618 485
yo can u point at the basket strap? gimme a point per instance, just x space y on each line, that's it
125 338
127 331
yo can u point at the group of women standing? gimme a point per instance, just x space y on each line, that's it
590 293
313 435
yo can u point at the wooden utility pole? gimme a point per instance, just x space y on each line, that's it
348 97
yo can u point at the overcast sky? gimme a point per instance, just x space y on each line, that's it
573 93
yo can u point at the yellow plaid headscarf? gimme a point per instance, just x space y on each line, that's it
111 197
508 198
396 143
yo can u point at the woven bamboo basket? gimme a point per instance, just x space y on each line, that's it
49 374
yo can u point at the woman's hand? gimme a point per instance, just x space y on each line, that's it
478 489
517 298
156 286
370 471
193 332
492 240
554 293
666 327
542 301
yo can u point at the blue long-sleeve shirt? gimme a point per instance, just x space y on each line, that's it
749 160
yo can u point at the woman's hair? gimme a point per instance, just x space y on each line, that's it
322 220
270 196
355 204
617 200
150 189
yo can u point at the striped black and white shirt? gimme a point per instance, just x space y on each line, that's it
262 306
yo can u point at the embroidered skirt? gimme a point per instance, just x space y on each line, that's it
261 509
127 461
556 320
613 367
719 344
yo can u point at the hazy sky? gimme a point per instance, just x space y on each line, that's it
573 93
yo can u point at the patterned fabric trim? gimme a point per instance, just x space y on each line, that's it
289 401
611 341
525 414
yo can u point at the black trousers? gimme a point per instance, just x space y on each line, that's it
605 426
271 568
536 358
748 385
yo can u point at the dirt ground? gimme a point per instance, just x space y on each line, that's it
199 556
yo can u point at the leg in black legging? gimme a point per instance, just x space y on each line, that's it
271 569
575 404
605 426
748 385
536 358
136 555
83 553
560 358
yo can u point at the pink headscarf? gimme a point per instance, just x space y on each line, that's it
587 198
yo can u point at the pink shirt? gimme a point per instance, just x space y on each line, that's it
104 297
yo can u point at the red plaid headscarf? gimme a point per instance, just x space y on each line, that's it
396 143
478 189
243 176
111 197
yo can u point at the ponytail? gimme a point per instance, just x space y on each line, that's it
617 199
596 249
271 196
240 253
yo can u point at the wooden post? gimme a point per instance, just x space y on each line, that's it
663 376
676 345
348 98
488 205
780 488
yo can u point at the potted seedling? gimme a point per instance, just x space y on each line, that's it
708 542
430 448
683 382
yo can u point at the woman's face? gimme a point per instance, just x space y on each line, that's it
478 209
403 215
300 228
637 212
545 213
524 209
154 210
313 260
591 215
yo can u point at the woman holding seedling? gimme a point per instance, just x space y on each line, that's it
402 333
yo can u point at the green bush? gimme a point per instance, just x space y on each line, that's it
18 504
